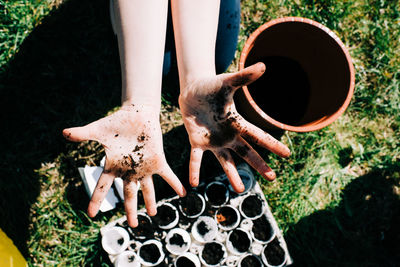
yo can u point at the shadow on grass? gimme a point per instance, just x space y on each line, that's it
362 231
66 73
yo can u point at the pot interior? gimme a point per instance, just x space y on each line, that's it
307 77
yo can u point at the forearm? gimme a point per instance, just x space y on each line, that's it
141 28
195 28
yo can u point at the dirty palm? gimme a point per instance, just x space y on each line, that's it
133 141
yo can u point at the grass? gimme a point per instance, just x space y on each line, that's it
336 198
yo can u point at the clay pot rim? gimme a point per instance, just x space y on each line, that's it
315 125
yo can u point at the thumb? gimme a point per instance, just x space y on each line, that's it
79 134
246 76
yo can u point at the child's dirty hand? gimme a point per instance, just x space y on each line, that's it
212 122
132 140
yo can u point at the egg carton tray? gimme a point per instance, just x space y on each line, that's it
124 244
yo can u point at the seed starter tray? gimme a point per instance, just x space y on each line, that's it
186 224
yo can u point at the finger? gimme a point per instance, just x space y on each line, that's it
79 134
103 185
130 196
243 149
170 177
259 137
196 155
246 76
225 159
149 195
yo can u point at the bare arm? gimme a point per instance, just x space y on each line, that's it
132 136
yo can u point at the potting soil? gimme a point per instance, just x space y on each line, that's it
212 253
251 261
239 240
274 253
177 240
216 194
150 253
262 229
226 216
252 206
191 204
202 228
184 262
144 229
165 215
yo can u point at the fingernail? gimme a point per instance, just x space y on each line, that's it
183 193
262 67
133 222
152 212
269 175
66 133
240 188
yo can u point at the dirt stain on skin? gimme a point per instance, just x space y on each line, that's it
241 80
137 148
218 100
224 132
223 155
142 137
242 150
129 165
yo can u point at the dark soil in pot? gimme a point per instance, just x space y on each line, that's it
226 216
252 206
212 253
191 205
184 262
240 240
150 253
177 240
216 194
131 259
202 228
262 229
274 253
165 215
251 261
287 83
144 229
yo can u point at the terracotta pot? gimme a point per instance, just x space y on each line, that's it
309 78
